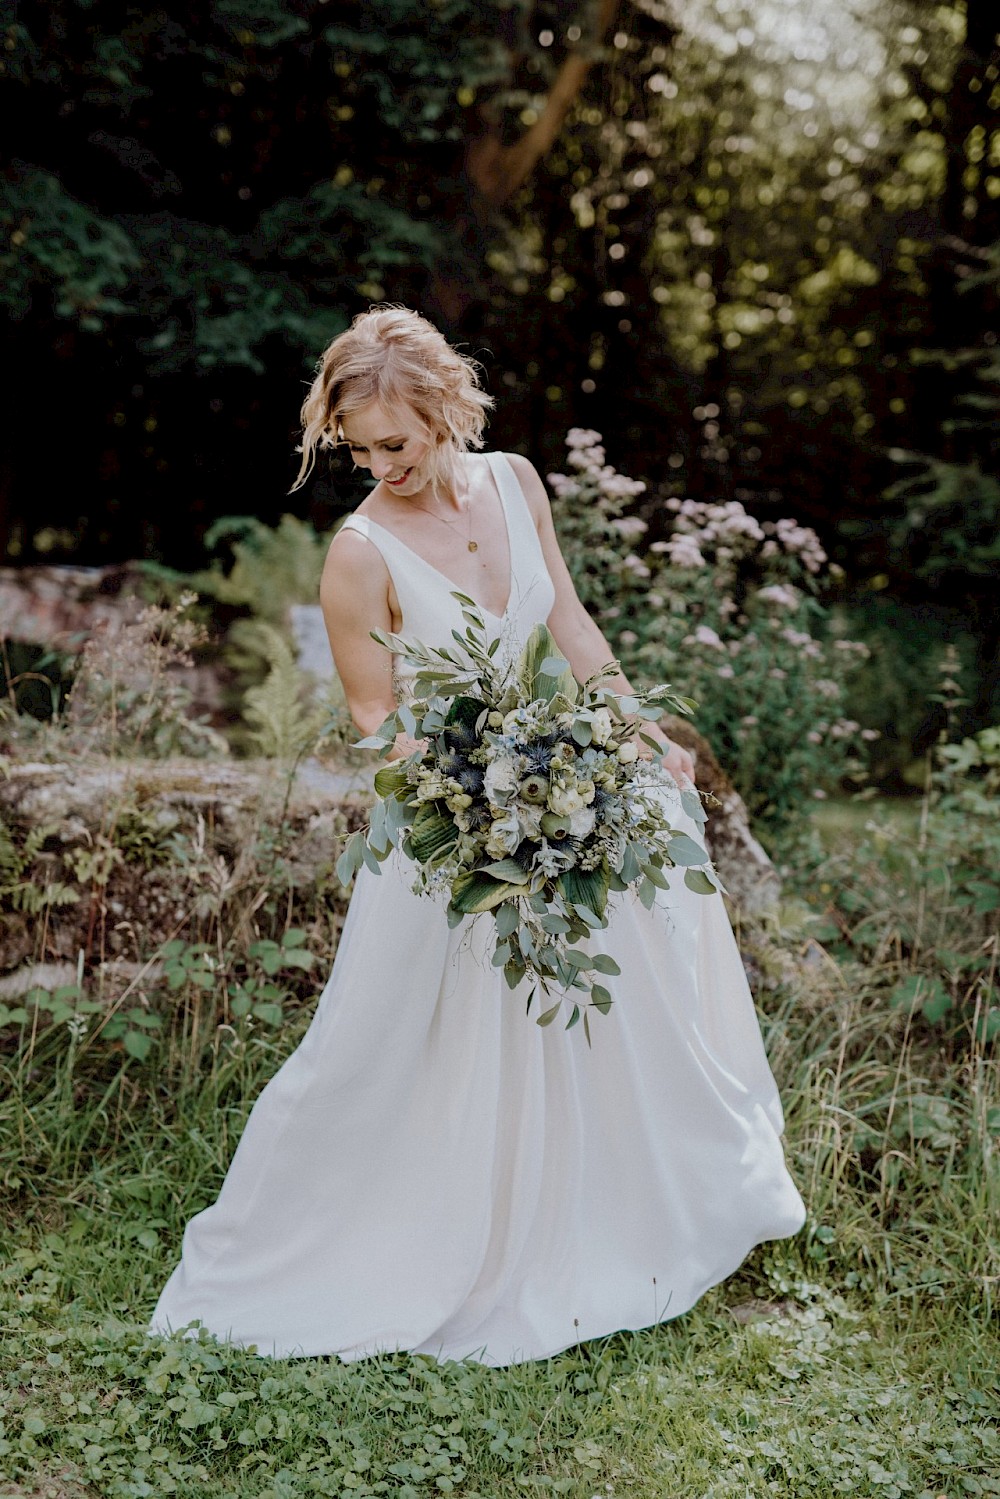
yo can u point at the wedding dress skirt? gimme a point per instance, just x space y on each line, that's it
431 1171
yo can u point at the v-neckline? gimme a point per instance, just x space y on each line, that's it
454 587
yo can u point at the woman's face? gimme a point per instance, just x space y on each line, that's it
389 445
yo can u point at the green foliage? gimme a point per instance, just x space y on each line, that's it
891 690
51 239
730 610
943 889
129 694
858 1358
271 568
285 720
25 885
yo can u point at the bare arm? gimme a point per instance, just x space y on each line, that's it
578 637
354 594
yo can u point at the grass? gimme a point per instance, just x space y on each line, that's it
858 1358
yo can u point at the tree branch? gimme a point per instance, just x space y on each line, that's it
498 171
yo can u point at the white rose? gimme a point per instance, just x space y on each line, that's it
628 752
582 822
601 726
565 800
500 777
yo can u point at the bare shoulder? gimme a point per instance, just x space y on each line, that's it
531 483
354 571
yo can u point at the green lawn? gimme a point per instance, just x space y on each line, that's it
858 1358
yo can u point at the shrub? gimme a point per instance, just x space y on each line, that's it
731 612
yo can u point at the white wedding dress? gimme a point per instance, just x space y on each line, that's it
431 1171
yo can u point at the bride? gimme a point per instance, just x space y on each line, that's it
429 1171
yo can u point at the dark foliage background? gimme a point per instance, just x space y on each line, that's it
756 245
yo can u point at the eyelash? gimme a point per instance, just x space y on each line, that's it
398 449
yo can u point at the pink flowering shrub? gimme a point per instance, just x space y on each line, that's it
729 610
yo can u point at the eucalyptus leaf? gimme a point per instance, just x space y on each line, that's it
698 880
507 919
605 964
547 1016
684 850
691 802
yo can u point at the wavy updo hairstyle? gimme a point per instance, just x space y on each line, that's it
394 356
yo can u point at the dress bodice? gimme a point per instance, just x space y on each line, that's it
430 613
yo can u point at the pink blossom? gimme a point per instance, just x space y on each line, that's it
629 525
724 671
684 552
782 594
628 637
582 437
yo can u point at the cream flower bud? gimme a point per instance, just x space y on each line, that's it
628 752
601 726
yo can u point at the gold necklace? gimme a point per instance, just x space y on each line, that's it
473 546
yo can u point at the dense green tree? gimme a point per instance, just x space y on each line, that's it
748 240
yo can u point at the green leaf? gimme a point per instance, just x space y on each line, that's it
547 1016
604 964
350 860
698 880
541 651
507 919
586 888
684 850
138 1044
391 778
270 1014
659 879
472 891
507 869
601 998
691 802
432 833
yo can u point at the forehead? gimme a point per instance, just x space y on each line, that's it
374 424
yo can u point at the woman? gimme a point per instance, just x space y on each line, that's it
429 1170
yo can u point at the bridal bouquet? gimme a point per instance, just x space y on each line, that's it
527 797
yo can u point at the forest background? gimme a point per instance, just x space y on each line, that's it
753 244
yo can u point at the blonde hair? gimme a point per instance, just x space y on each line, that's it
394 356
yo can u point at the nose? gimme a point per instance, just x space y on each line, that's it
380 465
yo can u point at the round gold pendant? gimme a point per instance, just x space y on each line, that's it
473 546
